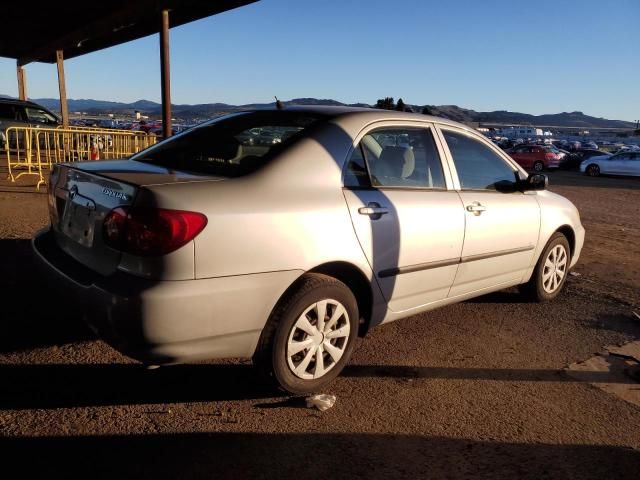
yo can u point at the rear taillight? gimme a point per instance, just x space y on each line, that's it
151 232
550 156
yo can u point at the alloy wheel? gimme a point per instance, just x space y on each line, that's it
593 170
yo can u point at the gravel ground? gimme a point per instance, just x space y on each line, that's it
475 390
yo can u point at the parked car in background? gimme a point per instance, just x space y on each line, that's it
19 113
570 160
147 127
266 136
589 145
205 247
623 163
560 154
628 148
587 153
535 157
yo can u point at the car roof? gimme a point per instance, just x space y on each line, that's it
24 103
367 114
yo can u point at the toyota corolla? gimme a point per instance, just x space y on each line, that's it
209 245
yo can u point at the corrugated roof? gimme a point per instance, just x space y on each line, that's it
33 31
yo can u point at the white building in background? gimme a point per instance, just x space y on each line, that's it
522 132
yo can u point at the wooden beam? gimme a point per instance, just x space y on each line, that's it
165 74
64 109
22 82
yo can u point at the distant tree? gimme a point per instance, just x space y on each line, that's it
401 107
426 110
386 103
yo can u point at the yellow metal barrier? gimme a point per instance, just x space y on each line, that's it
30 150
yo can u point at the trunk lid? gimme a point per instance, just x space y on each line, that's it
82 194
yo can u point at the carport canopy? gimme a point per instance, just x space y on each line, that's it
51 31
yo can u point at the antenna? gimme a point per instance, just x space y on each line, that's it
279 104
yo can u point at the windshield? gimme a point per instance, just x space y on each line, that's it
230 146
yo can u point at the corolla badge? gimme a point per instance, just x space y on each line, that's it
111 193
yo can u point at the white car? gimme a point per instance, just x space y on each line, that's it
207 246
623 163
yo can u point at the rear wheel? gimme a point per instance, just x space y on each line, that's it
310 335
551 271
538 166
593 170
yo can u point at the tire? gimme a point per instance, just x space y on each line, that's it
538 166
294 321
551 272
593 170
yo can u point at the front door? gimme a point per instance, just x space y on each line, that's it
501 225
410 226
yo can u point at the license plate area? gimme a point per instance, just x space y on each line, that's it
78 219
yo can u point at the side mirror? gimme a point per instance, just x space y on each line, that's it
535 181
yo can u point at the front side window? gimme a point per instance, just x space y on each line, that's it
396 157
478 166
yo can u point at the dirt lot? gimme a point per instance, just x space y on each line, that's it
475 390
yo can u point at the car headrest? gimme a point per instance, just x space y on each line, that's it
398 162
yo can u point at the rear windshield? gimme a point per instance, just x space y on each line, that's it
230 146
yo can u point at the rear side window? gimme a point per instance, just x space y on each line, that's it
230 146
396 157
478 166
356 174
39 116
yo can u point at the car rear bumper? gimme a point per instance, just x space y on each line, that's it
164 322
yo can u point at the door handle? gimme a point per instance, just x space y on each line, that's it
476 208
373 210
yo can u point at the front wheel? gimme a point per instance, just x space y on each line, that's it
310 335
593 170
551 271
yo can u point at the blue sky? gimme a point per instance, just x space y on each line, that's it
544 56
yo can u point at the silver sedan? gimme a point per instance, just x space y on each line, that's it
622 163
209 245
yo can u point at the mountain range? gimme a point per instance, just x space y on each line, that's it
452 112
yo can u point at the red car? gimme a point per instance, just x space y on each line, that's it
535 157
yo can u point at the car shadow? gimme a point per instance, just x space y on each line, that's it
502 296
84 385
566 178
32 314
73 385
293 455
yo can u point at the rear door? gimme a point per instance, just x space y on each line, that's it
408 219
502 225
